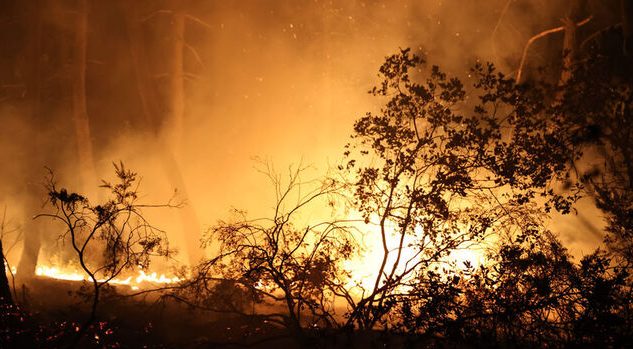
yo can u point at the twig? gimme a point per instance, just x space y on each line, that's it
195 54
199 21
156 13
594 35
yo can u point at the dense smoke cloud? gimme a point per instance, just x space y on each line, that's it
277 79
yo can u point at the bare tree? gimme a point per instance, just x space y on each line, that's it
279 260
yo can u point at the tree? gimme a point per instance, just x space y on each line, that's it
108 238
596 112
33 95
529 294
432 176
153 112
442 176
5 289
279 260
588 123
80 113
574 134
177 73
46 81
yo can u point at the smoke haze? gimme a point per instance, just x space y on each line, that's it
283 80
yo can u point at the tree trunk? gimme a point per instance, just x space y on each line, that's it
5 290
32 233
80 115
177 86
33 194
570 43
149 101
152 114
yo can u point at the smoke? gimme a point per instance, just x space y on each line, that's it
277 79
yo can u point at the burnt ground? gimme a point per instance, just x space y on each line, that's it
49 311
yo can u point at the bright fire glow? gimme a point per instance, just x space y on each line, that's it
470 255
57 274
6 268
366 267
142 279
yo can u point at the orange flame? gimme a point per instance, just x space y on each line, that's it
142 279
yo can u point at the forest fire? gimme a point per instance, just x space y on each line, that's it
322 174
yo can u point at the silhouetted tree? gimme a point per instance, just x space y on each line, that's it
585 135
5 289
278 261
432 176
107 238
448 166
529 294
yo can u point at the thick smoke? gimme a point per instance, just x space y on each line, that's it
278 79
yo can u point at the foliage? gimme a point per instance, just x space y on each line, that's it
597 112
583 138
426 168
531 295
428 171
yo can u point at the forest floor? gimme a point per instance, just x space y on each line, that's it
53 308
50 312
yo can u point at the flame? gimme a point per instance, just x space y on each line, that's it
57 274
142 279
470 255
154 279
6 269
365 267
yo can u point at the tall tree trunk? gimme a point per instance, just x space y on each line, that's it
33 194
80 114
152 115
32 232
177 86
570 42
149 101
